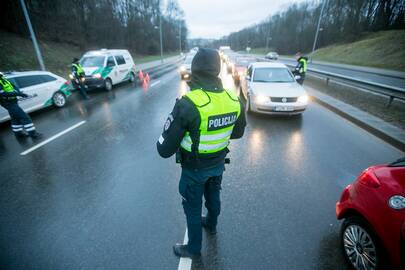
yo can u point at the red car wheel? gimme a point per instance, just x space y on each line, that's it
361 247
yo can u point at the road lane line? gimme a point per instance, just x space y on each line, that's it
185 263
155 83
52 138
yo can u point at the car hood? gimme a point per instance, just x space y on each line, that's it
277 89
90 70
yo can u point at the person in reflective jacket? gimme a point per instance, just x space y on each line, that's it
21 123
301 67
199 130
79 77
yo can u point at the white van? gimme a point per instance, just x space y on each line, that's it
105 68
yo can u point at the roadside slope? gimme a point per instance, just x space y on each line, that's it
385 49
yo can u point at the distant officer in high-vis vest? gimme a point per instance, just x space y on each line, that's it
199 130
79 75
301 67
21 123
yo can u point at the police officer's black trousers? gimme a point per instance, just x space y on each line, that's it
82 89
301 79
20 120
194 184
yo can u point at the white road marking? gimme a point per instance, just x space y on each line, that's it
185 263
52 138
155 83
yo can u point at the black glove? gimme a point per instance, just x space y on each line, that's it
24 95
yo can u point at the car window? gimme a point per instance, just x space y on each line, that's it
92 61
29 80
188 60
47 78
120 59
110 61
272 75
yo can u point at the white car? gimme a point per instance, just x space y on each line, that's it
44 89
105 68
272 56
271 88
185 68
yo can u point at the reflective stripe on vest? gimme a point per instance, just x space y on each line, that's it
218 113
304 65
79 69
6 85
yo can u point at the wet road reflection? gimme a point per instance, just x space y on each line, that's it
101 197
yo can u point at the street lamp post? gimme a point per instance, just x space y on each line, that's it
180 35
32 33
267 43
161 41
319 26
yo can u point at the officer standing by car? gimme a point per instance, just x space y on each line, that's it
301 67
199 130
79 75
21 123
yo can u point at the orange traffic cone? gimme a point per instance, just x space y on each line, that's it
147 78
141 77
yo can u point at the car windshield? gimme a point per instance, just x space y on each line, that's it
272 75
92 61
188 60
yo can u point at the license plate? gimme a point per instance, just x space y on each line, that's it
284 109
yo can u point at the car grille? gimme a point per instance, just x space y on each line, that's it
286 100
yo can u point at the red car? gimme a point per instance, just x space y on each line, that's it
373 209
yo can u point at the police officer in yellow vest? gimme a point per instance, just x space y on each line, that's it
199 130
78 73
21 123
301 67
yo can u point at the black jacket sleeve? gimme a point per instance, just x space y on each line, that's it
240 124
184 117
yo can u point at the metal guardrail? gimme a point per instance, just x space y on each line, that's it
391 91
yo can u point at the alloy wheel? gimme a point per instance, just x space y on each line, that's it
360 248
59 99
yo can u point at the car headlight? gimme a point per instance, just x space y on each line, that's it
260 99
97 75
397 202
303 99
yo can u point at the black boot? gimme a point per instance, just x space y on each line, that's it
204 223
35 135
20 134
182 251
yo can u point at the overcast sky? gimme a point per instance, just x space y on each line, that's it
216 18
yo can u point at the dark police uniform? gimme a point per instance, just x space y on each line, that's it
199 129
301 68
79 73
20 120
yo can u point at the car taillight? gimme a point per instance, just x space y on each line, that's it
67 83
369 179
346 193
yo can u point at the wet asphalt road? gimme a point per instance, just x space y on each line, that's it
100 197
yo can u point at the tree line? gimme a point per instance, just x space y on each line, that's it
94 24
294 29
